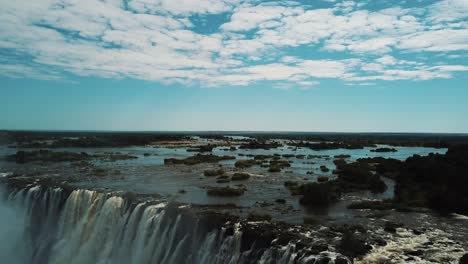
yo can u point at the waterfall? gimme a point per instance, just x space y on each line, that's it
83 226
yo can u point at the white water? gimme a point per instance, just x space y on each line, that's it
92 227
435 247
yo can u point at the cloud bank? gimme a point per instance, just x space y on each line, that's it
233 42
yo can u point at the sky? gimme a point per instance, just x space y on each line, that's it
234 65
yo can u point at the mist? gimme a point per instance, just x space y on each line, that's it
14 247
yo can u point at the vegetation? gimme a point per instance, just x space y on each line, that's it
259 145
245 163
225 191
384 150
436 181
197 159
47 155
324 168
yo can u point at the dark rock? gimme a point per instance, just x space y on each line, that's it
274 169
316 248
341 260
213 172
418 252
322 260
464 259
317 194
391 226
353 245
256 217
322 179
281 201
240 176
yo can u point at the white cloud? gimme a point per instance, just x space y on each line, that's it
247 17
449 10
182 7
438 40
156 40
387 60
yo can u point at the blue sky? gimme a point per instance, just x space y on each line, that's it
324 65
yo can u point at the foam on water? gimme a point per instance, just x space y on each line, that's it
433 246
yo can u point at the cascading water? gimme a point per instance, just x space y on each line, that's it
85 226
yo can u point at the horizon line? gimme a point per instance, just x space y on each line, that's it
231 131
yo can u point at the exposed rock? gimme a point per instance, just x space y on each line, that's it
256 217
315 194
391 227
213 172
353 245
240 176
